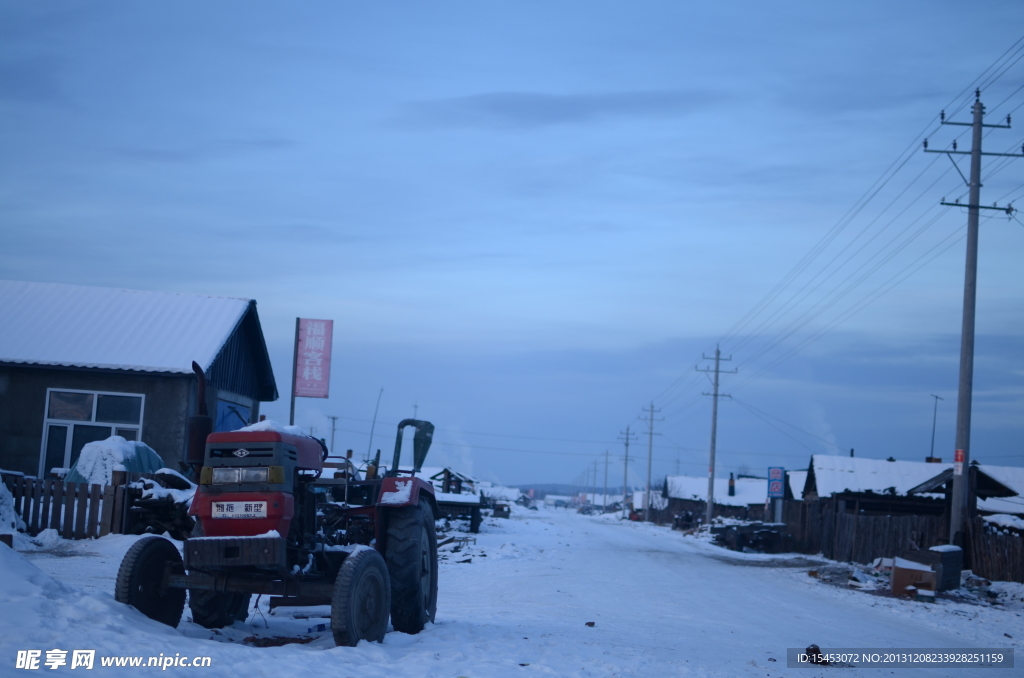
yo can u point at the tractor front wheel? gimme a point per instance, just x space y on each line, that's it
412 563
140 580
362 597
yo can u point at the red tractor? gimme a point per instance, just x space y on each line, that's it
274 523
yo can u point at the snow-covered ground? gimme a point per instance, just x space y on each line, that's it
517 603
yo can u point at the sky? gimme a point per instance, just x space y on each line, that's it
529 221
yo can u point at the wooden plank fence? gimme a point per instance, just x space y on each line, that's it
818 527
75 510
999 557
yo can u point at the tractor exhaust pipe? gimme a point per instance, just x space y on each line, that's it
420 444
200 425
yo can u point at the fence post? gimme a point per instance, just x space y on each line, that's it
44 516
92 529
56 504
106 517
82 508
69 510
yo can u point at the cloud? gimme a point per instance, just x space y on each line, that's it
525 110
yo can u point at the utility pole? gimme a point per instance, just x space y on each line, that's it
369 445
415 409
626 438
935 416
595 483
334 422
962 451
604 502
715 395
650 455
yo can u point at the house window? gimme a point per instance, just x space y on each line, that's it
75 418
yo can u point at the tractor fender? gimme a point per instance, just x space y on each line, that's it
396 492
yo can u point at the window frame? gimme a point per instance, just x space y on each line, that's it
70 423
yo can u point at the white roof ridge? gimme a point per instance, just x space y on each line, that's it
125 289
114 328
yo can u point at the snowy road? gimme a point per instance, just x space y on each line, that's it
662 605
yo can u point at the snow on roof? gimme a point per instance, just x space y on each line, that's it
598 498
1012 477
748 490
833 473
797 480
500 492
639 502
72 325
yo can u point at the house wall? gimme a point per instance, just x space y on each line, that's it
23 408
699 509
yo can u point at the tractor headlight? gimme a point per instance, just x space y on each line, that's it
225 476
254 475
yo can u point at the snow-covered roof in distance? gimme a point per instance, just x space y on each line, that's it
598 498
77 326
436 473
748 490
833 473
1012 477
797 480
500 492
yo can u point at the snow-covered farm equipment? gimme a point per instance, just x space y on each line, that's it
278 518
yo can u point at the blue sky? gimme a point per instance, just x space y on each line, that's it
530 219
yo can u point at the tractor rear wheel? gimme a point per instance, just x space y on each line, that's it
412 563
361 600
140 580
216 610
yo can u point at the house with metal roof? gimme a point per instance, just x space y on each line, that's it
873 486
742 497
79 364
833 474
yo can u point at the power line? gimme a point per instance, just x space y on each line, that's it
755 410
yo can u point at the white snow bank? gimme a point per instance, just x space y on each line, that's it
46 540
10 521
1006 520
50 614
271 425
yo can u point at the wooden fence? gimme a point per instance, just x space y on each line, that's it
818 527
999 557
75 510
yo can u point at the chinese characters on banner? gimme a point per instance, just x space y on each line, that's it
313 358
776 480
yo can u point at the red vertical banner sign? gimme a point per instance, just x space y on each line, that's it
311 370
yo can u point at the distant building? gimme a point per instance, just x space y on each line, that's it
79 364
689 493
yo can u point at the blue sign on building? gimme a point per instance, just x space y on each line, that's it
776 482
